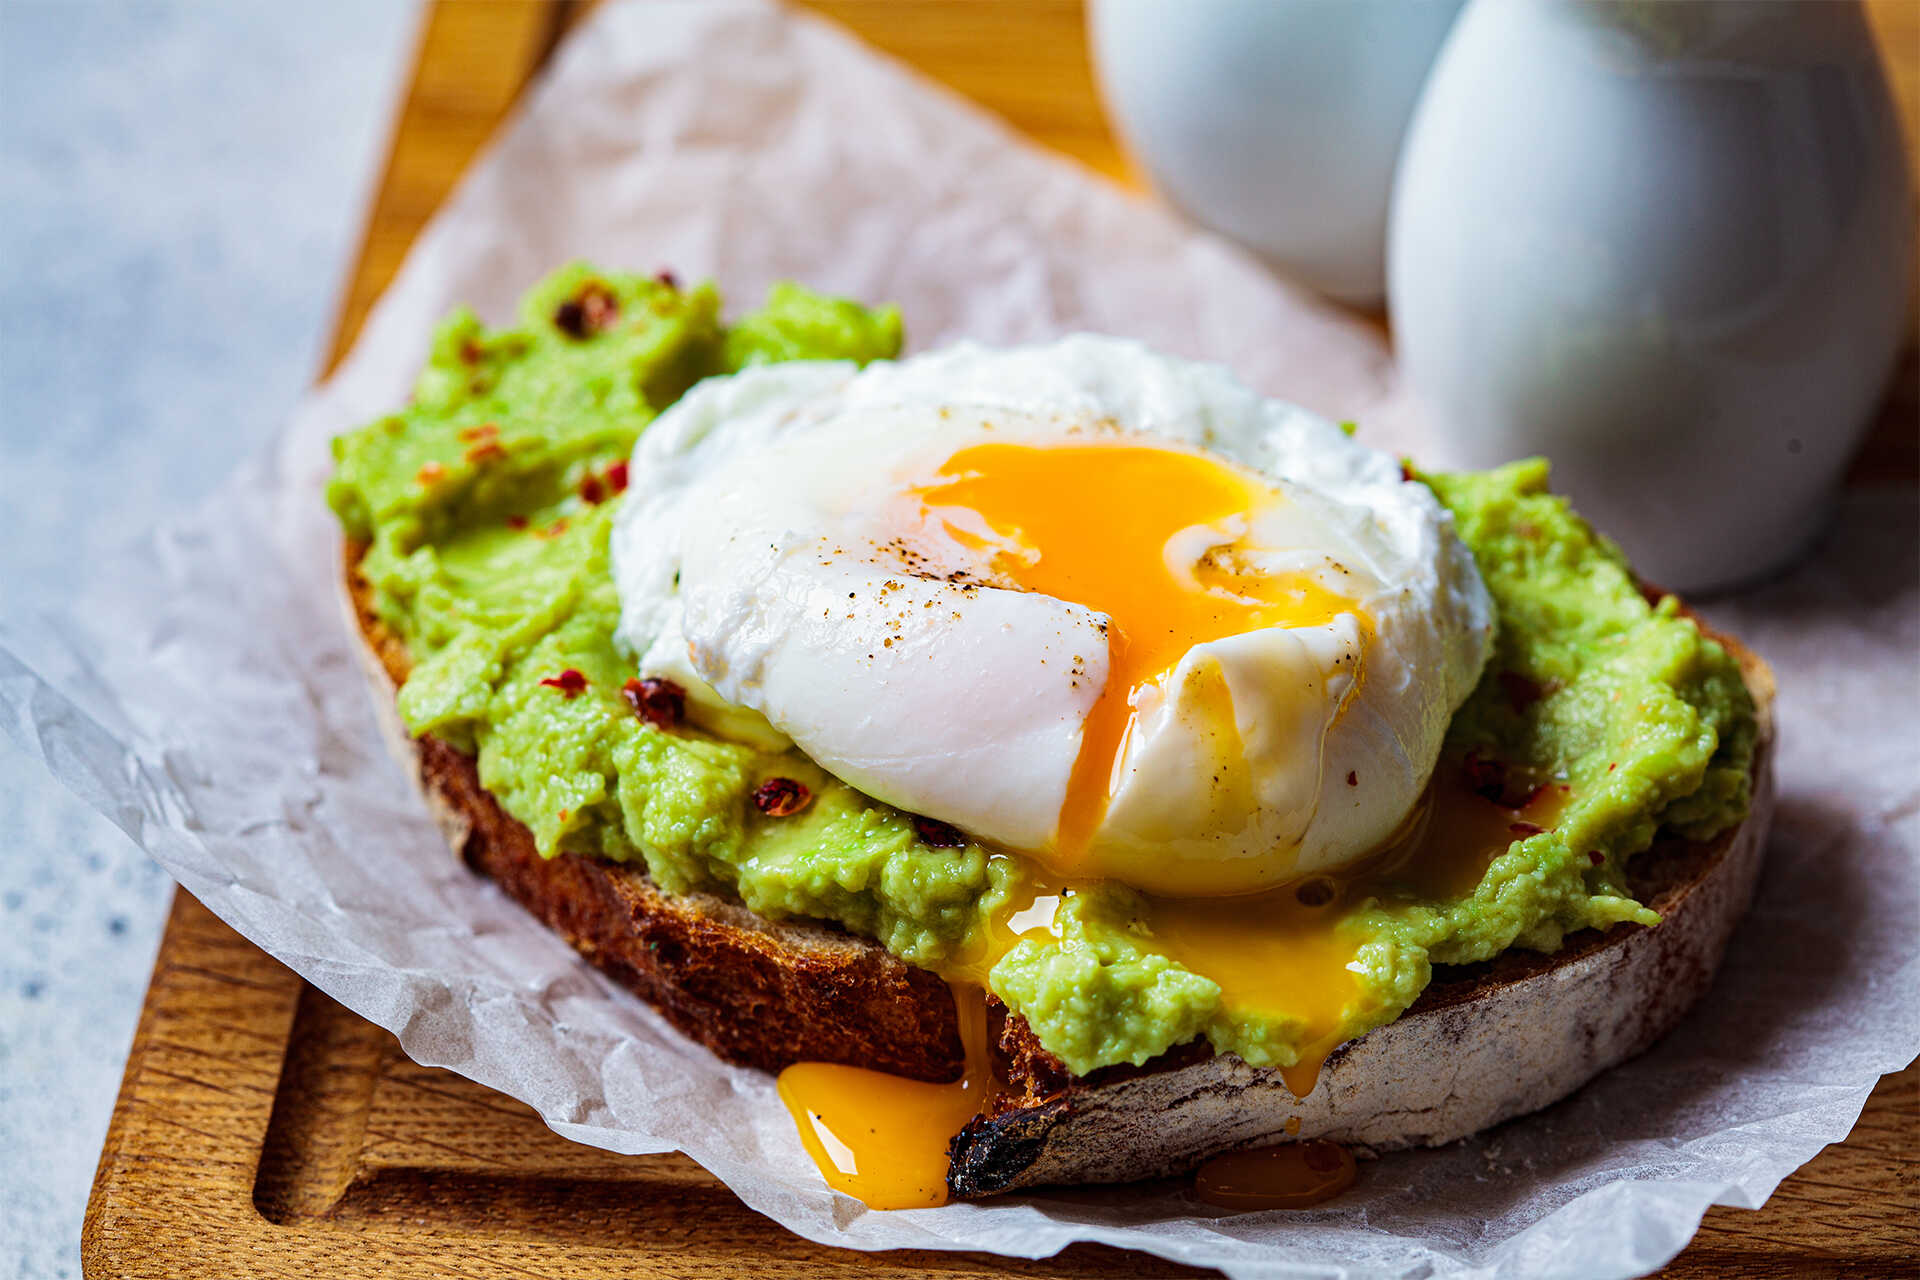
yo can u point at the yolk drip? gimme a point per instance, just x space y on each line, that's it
1280 953
1454 835
1274 955
1032 915
881 1138
1296 1175
1090 524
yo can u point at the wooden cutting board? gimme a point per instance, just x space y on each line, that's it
264 1130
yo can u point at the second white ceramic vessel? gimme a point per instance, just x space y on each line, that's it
1276 122
1668 246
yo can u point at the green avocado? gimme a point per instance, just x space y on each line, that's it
484 508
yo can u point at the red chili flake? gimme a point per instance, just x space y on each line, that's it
588 312
569 682
661 703
554 530
1353 779
485 431
591 490
667 278
429 473
1522 691
781 797
516 522
470 352
486 451
941 835
1487 778
617 477
1613 766
1596 857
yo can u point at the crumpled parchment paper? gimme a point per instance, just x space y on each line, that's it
201 690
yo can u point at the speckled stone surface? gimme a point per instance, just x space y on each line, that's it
181 188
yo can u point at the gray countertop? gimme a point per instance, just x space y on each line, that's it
182 188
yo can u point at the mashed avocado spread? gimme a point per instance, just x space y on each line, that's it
484 507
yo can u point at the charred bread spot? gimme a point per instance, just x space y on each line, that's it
990 1153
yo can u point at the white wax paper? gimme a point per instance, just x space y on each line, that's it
202 692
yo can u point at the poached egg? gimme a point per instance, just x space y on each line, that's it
1105 608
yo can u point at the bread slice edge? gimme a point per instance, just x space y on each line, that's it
758 992
1503 1041
1478 1048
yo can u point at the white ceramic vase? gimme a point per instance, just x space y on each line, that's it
1276 122
1668 246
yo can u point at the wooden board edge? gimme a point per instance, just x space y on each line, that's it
1901 1092
516 38
170 1165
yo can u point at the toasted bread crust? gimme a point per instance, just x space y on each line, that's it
757 992
1484 1043
1516 1034
752 990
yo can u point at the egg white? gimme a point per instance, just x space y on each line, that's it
769 559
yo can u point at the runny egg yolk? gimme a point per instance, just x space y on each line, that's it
1151 538
884 1140
1097 524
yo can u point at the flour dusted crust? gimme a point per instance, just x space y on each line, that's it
1483 1044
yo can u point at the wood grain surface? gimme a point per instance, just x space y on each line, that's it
263 1130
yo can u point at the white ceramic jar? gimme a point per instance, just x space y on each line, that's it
1276 122
1668 246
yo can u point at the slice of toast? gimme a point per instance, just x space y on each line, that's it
762 993
1483 1043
